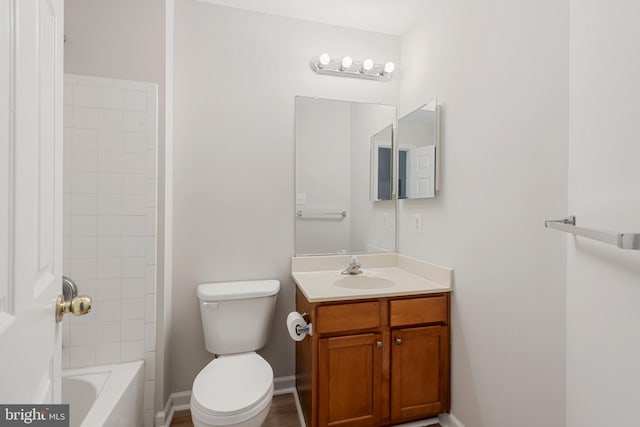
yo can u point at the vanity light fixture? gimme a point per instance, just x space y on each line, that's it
347 67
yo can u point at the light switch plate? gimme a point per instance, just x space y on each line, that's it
417 223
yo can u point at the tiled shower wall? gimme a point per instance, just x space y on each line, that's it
110 181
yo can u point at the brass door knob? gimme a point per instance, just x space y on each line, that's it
78 306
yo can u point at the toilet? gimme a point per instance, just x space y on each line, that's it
236 387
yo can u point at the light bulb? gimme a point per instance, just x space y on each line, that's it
347 62
324 59
367 65
389 67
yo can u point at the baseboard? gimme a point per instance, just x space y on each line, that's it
448 420
180 401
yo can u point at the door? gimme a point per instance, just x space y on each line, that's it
419 372
349 380
422 172
31 36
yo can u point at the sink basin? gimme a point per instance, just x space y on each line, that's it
364 282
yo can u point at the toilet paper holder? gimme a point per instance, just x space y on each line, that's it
308 329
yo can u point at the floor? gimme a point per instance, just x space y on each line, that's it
283 413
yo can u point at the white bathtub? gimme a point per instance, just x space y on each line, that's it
104 396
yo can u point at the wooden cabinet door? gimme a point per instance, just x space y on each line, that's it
419 372
349 380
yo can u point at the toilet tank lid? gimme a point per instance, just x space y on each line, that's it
220 291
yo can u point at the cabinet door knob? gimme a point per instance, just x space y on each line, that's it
398 341
379 344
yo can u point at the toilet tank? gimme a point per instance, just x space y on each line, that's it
237 316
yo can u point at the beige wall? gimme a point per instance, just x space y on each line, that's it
236 76
500 69
603 282
125 39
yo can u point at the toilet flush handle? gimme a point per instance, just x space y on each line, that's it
210 304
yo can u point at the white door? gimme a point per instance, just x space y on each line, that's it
31 34
422 171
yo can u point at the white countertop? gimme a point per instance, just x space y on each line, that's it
320 286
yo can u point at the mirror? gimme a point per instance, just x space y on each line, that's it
334 210
417 152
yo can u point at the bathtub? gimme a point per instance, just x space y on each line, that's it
104 396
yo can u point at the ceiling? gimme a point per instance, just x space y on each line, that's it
381 16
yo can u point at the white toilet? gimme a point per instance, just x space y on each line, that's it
236 388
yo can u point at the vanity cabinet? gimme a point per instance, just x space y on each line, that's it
374 362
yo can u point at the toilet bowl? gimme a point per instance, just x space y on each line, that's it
236 388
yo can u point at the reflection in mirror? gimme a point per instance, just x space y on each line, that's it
417 150
334 213
382 164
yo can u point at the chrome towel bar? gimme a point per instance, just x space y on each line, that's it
322 215
621 240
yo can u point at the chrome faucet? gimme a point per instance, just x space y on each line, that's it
353 268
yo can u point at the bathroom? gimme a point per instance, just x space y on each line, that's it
537 105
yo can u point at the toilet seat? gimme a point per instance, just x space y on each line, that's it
232 389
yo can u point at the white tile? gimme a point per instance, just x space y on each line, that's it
108 289
150 222
133 267
109 183
151 193
134 204
150 279
109 268
108 311
133 225
132 350
66 338
83 204
110 161
67 140
94 81
66 250
109 140
109 204
134 121
66 225
67 116
84 182
82 334
130 85
135 101
108 353
83 247
85 118
110 119
132 308
150 308
134 163
133 184
151 170
109 247
82 356
82 269
149 389
150 250
149 337
68 94
85 139
134 142
132 330
66 358
107 332
85 96
82 225
110 98
70 78
84 161
149 365
133 287
133 246
109 225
